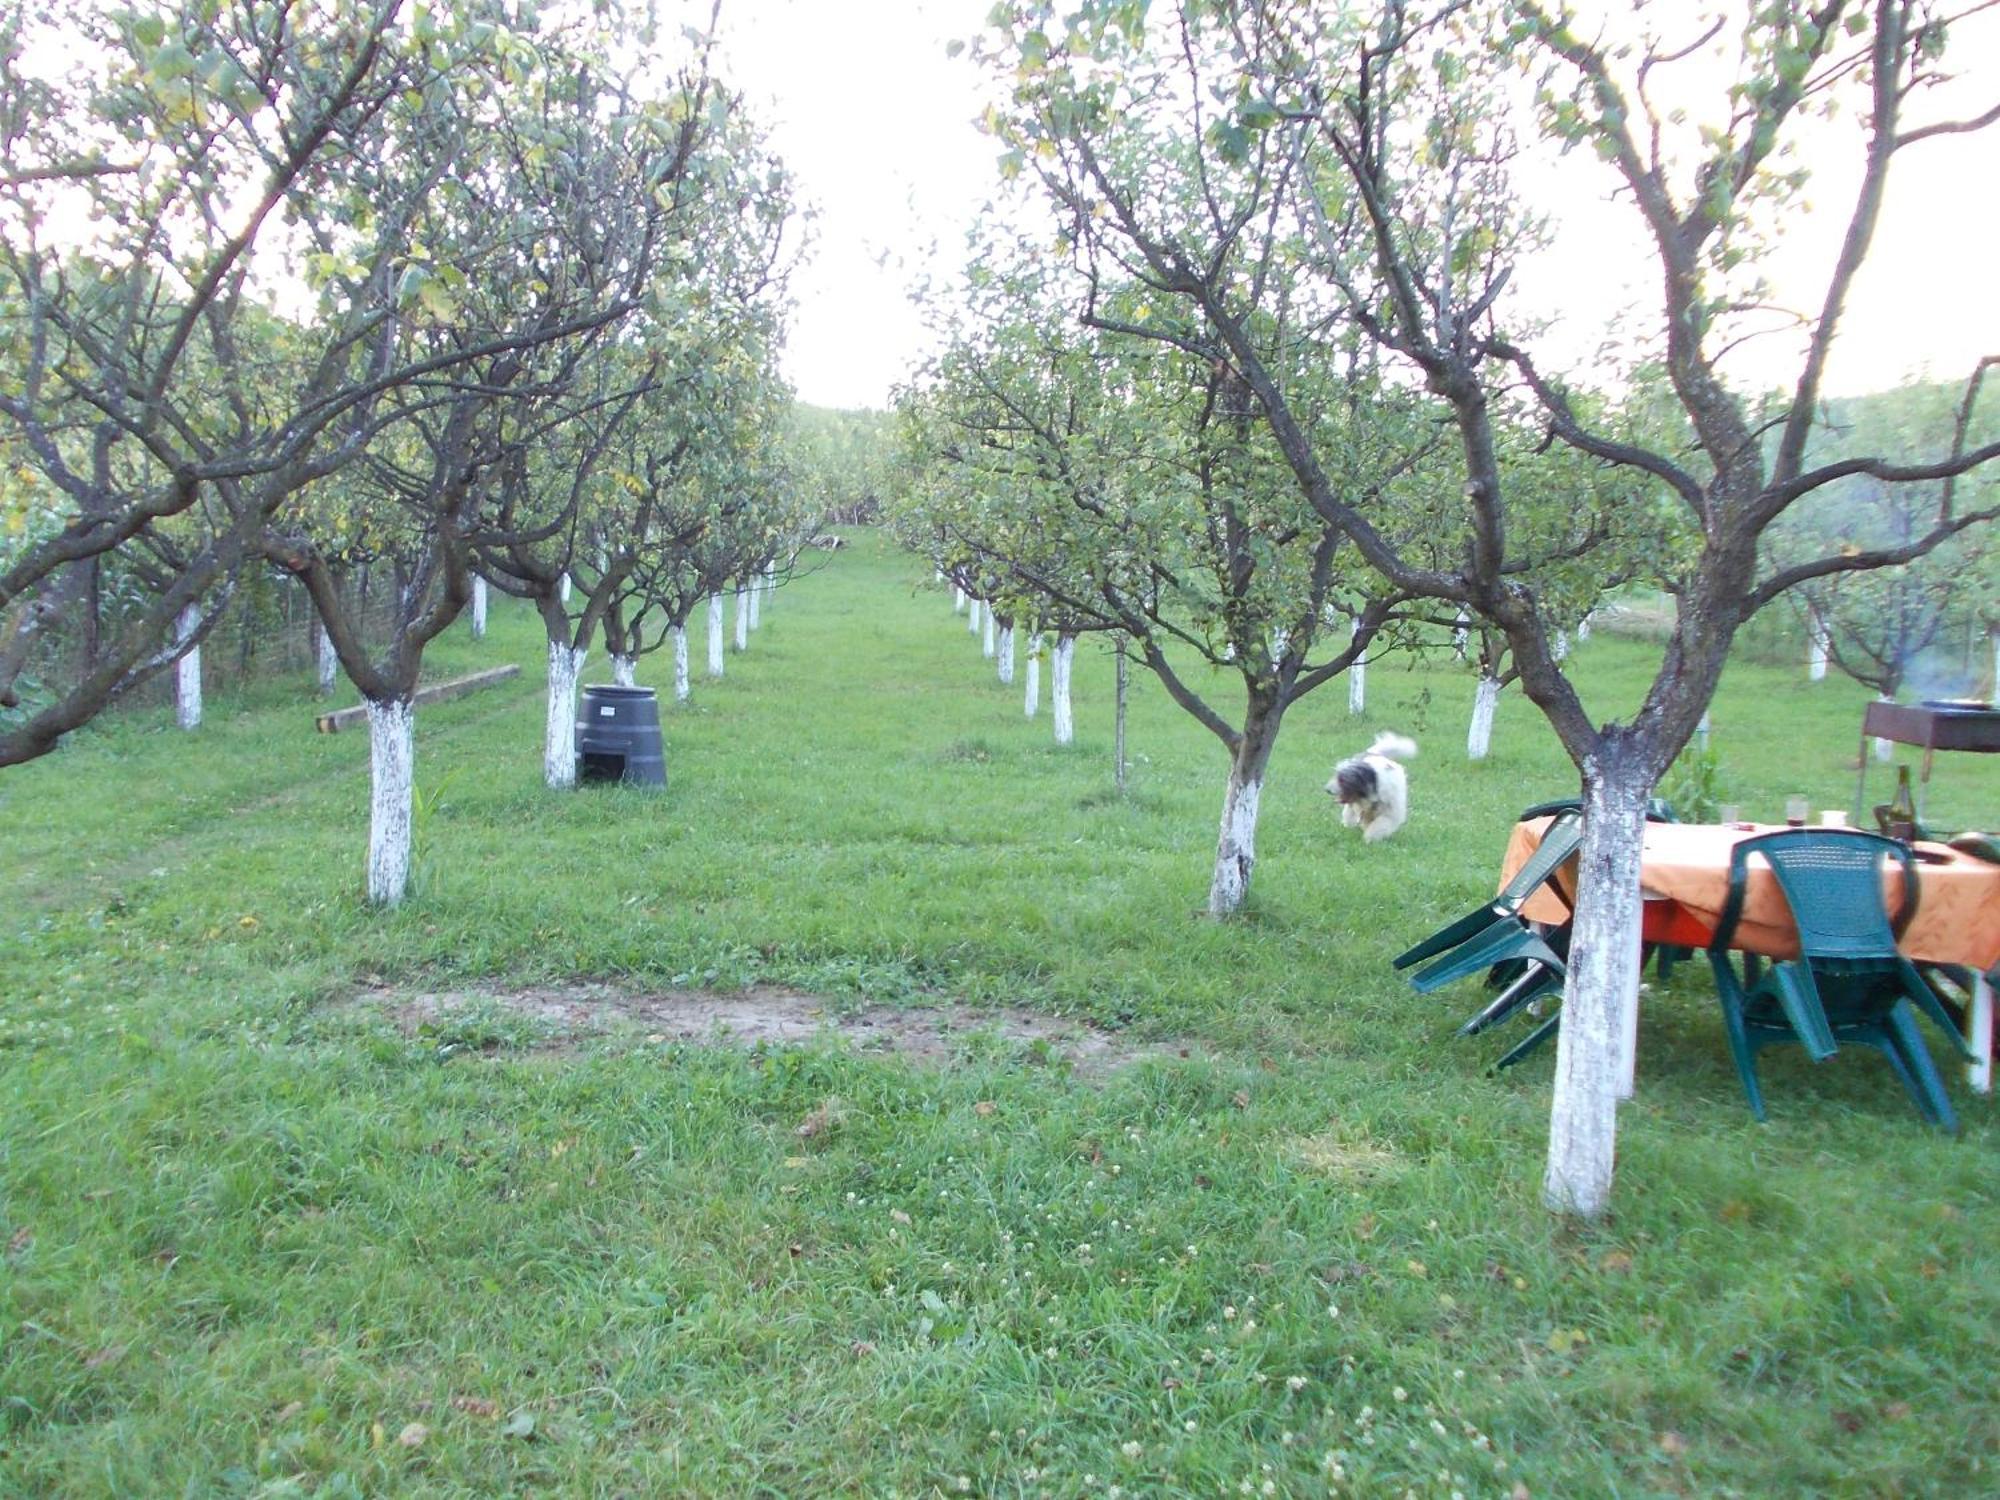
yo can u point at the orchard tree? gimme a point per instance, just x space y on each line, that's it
167 180
1878 627
580 501
1135 490
550 214
1377 146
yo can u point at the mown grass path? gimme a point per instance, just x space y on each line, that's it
258 1239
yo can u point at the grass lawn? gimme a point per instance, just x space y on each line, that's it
265 1234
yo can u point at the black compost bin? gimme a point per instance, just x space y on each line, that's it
618 737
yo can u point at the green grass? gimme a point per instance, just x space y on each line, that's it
253 1230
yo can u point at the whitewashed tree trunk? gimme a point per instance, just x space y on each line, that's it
326 660
988 645
1357 679
189 673
1059 670
1007 655
958 600
1583 630
715 635
1818 645
1281 640
1561 649
624 671
1034 673
1595 1049
1701 730
681 688
392 762
1236 844
742 620
757 601
479 609
565 588
1485 701
972 621
1884 749
1460 634
559 744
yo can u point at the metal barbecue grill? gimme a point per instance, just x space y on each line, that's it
1935 724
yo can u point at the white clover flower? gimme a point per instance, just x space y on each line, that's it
1131 1447
1295 1382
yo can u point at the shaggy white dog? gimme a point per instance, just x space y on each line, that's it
1373 790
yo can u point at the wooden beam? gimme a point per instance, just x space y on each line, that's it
438 692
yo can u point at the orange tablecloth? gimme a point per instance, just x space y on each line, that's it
1684 875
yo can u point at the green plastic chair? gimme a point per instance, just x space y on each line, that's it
1494 933
1849 983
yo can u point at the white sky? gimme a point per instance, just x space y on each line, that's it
876 122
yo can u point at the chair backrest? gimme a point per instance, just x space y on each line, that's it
1832 881
1658 809
1558 843
1984 846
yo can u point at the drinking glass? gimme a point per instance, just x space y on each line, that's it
1795 810
1833 817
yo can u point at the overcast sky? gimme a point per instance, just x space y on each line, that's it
877 124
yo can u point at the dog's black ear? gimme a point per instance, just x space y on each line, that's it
1356 780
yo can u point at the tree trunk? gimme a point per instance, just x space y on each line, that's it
972 620
1485 701
1817 646
1583 630
1560 649
565 588
93 608
1059 688
392 790
187 673
715 635
681 688
1034 674
1460 633
756 601
1594 1048
987 645
958 600
1357 680
479 609
1006 655
326 659
1236 844
1118 721
742 620
624 671
1884 749
559 746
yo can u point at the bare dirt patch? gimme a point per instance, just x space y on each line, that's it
770 1015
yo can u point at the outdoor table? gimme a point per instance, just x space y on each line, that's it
1684 878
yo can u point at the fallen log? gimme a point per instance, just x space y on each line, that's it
437 692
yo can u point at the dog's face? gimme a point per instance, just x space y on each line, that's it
1353 781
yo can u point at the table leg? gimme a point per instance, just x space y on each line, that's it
1979 1034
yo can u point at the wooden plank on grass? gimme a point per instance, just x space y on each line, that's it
437 692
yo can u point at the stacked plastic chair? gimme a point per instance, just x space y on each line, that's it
1495 934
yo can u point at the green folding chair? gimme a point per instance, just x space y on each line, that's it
1494 933
1849 983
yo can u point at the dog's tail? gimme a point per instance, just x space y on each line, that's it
1395 746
